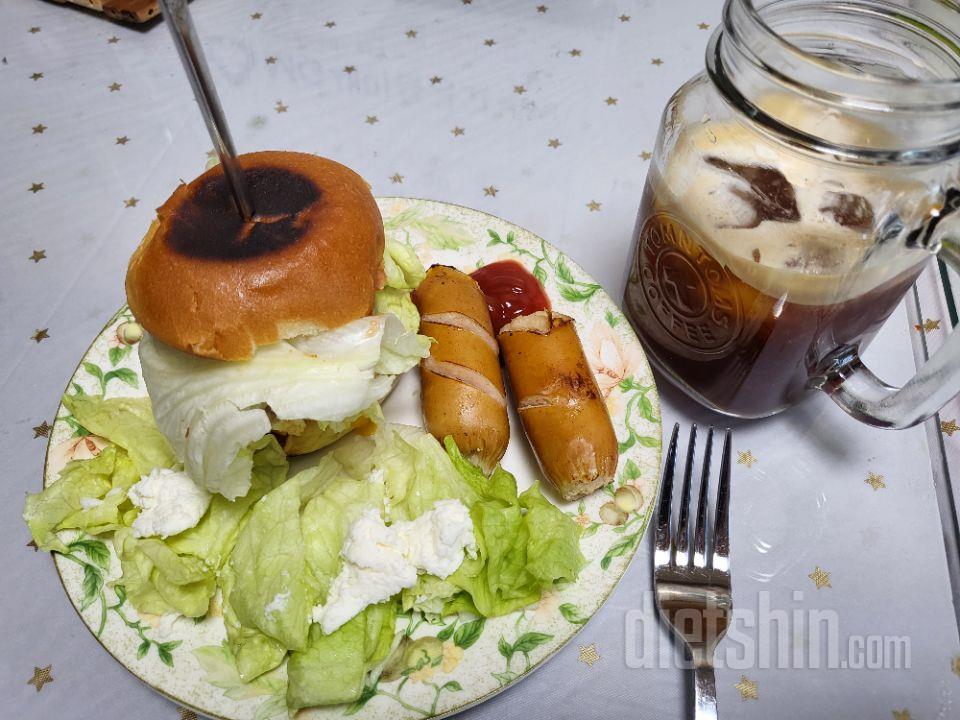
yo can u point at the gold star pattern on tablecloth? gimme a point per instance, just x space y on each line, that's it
42 430
875 480
703 26
36 76
745 457
271 60
901 714
38 129
820 577
396 178
113 40
329 24
280 107
466 2
122 140
589 655
928 325
645 155
131 202
624 18
747 688
372 120
949 427
35 187
411 34
656 61
256 15
490 191
489 42
349 69
35 30
40 335
457 131
436 80
186 714
593 206
37 255
519 89
114 87
41 676
554 143
610 100
575 53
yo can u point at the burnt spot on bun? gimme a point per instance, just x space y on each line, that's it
206 225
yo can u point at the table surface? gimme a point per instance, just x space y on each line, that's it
543 116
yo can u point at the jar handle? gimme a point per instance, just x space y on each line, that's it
866 397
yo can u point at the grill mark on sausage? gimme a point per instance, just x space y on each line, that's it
468 376
463 322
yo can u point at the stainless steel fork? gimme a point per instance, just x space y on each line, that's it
693 588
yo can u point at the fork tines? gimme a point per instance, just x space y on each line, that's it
673 548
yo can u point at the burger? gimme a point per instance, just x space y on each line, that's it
295 323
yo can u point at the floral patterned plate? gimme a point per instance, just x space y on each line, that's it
468 660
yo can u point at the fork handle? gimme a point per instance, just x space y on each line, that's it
705 689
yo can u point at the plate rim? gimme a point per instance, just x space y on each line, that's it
644 525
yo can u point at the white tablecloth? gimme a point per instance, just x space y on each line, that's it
541 115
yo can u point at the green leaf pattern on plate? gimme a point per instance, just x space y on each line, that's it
568 286
93 556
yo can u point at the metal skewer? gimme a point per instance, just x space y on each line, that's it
177 16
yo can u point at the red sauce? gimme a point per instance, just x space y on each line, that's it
511 291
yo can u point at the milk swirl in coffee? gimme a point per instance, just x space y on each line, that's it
752 263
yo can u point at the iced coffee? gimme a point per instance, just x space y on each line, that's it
752 267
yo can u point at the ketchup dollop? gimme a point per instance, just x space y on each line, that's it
511 291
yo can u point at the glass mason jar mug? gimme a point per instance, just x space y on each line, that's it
797 189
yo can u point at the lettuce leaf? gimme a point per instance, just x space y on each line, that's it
553 552
524 543
61 505
401 266
332 668
274 590
126 422
160 581
417 473
211 410
328 515
213 537
254 653
179 574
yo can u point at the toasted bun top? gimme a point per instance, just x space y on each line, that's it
206 282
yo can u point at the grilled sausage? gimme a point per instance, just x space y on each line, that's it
462 391
561 408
